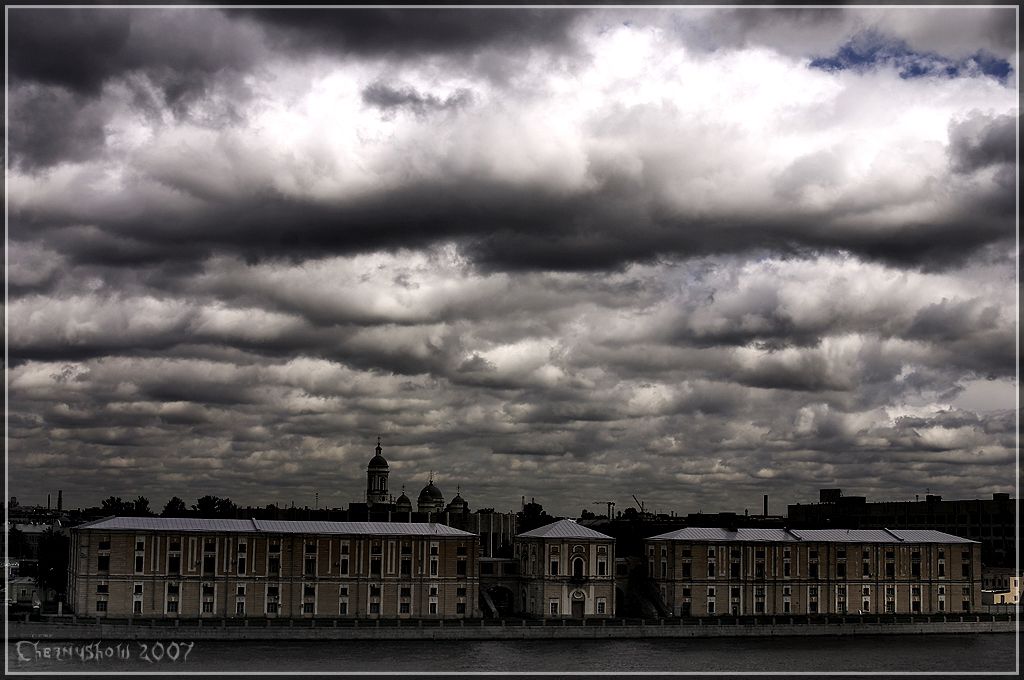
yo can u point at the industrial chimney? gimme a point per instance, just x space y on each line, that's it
766 505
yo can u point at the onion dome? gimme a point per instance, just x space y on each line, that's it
430 492
403 504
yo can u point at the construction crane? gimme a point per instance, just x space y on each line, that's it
610 504
639 505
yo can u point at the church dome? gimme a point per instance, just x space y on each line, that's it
403 504
377 462
430 492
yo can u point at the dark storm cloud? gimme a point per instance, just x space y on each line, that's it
981 140
387 97
414 32
49 125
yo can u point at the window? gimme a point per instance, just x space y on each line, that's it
241 547
812 607
311 549
759 607
554 607
866 591
209 547
460 567
734 570
841 554
867 605
759 570
813 554
138 589
841 590
916 590
942 590
241 565
890 554
311 565
343 592
759 592
140 545
103 564
890 607
785 607
406 549
406 568
786 590
942 605
374 591
966 606
274 565
966 591
209 563
915 569
600 606
137 607
433 567
240 591
664 569
239 607
104 545
915 606
711 607
276 547
786 569
812 570
100 588
207 589
433 550
175 546
174 564
942 568
711 568
172 589
172 607
343 566
272 591
602 566
684 553
890 591
841 570
813 591
965 570
403 607
735 592
308 591
734 554
686 570
433 591
711 592
271 607
759 554
711 552
207 607
460 607
890 570
432 608
865 569
307 607
461 550
407 592
460 592
343 608
554 568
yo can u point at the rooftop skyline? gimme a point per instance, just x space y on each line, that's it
693 254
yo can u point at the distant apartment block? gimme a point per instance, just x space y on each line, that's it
993 523
713 571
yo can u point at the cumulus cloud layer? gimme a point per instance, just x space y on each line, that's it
695 254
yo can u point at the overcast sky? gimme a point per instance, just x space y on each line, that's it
695 255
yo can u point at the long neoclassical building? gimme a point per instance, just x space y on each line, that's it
195 568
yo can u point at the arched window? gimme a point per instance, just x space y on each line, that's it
577 568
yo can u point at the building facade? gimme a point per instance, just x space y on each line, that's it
194 568
565 570
713 571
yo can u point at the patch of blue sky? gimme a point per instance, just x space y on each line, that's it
871 50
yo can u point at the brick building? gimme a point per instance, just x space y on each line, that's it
194 568
712 571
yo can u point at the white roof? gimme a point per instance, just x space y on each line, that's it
185 524
564 528
741 535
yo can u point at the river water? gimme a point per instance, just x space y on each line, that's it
985 652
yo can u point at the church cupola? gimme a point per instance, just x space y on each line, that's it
377 478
